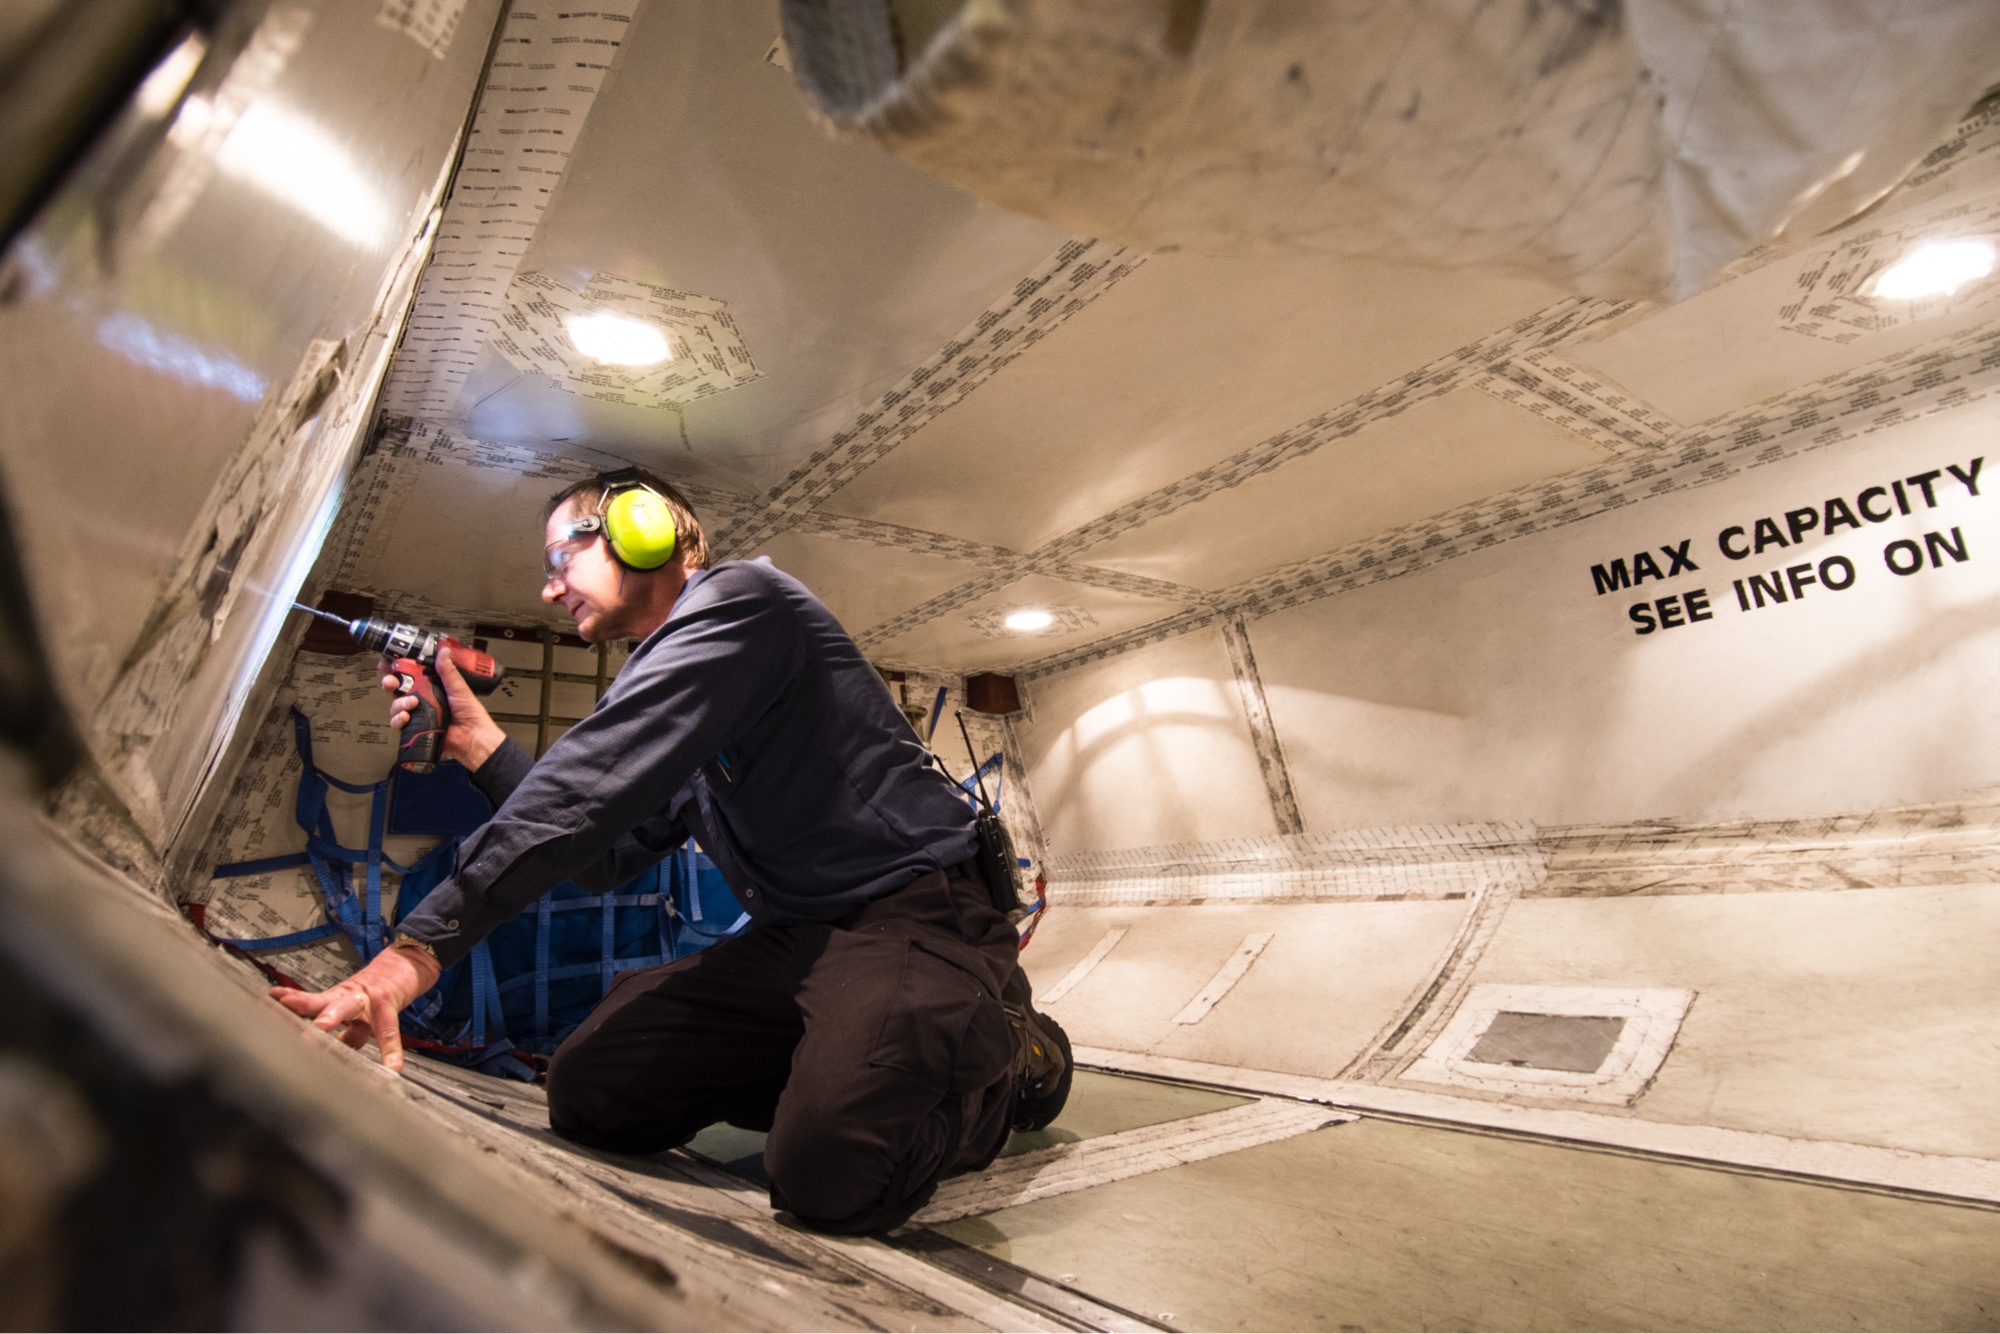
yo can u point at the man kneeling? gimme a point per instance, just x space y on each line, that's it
874 1019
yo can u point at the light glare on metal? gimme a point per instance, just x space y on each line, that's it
1029 620
161 92
295 160
618 340
1937 269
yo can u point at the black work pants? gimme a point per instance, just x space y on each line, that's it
873 1049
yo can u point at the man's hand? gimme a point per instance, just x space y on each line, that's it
472 736
367 1004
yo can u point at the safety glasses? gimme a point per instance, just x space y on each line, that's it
576 535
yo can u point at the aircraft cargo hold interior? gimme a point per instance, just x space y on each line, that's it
1431 565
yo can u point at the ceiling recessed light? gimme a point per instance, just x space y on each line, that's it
1937 269
1029 619
618 340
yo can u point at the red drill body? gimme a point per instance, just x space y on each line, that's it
411 652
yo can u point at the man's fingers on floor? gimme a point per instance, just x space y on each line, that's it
388 1035
343 1006
300 1005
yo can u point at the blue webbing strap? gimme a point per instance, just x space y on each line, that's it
693 913
341 907
360 917
544 915
693 881
378 817
589 901
742 920
261 865
296 938
323 847
485 995
663 912
972 781
605 967
589 968
360 921
723 934
608 948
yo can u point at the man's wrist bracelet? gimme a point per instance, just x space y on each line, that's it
405 941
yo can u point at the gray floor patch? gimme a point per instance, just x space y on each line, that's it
1064 1168
1548 1041
1642 1023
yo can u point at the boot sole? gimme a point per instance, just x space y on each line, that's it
1032 1113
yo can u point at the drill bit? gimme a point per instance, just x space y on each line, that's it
323 615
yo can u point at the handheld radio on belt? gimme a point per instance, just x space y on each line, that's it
997 864
412 653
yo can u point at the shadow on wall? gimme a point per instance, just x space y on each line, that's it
1150 775
1889 666
1391 751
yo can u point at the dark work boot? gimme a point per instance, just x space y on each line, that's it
1042 1064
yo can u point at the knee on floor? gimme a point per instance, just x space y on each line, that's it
567 1115
577 1107
826 1179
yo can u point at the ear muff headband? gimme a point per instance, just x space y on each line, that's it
639 526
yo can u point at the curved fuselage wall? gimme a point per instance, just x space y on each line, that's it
192 337
1535 680
1578 760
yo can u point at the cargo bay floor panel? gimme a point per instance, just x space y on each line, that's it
1328 1221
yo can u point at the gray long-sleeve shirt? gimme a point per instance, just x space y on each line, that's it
749 719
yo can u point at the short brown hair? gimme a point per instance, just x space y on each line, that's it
690 543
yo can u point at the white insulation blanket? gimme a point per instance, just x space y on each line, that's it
1617 147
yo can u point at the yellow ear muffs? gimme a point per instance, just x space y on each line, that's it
640 528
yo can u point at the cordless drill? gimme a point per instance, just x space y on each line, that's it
411 652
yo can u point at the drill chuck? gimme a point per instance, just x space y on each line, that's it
398 642
393 640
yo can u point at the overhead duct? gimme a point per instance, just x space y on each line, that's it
1616 147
